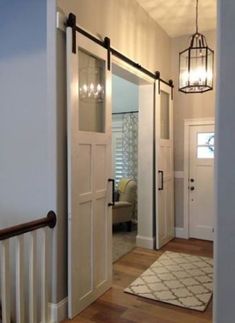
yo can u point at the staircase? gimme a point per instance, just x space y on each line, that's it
24 271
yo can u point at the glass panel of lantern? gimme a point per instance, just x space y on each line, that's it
184 72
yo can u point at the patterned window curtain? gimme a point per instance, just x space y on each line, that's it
130 149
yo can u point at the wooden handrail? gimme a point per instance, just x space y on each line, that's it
48 221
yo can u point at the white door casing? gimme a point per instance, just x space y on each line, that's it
164 173
201 182
145 237
89 167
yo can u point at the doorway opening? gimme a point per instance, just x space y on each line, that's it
128 104
125 108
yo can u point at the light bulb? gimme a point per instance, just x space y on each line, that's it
84 87
99 88
92 87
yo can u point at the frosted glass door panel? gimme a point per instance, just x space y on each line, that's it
164 116
205 138
205 145
91 92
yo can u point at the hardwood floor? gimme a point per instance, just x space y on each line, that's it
115 306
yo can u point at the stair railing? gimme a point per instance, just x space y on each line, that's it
25 313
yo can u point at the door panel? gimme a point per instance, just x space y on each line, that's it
82 261
89 167
164 165
100 243
201 182
100 167
84 169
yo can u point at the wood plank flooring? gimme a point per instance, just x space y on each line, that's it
115 306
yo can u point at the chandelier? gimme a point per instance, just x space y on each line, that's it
91 78
196 64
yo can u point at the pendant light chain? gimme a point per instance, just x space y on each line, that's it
197 16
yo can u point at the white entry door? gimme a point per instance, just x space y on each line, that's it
201 182
89 168
164 167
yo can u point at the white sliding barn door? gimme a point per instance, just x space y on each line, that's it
89 167
164 166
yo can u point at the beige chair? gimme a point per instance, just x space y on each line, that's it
123 209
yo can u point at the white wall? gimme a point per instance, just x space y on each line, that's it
28 169
25 189
224 309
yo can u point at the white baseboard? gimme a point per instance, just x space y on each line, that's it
181 233
145 242
58 312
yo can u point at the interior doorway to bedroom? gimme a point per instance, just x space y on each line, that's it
125 110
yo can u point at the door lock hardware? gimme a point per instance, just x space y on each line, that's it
161 188
113 191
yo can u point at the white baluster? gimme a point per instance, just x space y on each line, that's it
5 282
44 279
33 277
20 295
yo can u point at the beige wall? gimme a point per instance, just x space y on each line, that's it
130 28
186 106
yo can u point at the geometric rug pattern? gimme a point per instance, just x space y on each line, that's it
177 278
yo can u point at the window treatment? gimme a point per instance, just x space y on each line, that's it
130 145
130 150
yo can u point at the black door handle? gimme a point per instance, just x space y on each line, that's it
192 188
113 191
161 188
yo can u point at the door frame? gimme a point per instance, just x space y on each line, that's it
145 237
187 124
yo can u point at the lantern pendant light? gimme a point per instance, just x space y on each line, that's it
196 64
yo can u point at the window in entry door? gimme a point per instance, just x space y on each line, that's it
205 145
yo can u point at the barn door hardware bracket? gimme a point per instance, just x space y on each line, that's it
172 88
71 22
158 77
107 45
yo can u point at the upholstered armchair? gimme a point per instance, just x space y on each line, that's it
123 208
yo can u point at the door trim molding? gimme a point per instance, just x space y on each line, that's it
187 124
145 242
58 312
181 233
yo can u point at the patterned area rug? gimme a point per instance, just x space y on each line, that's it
177 278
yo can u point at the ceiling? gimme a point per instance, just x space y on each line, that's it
177 17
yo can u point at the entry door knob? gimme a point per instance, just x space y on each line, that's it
192 188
